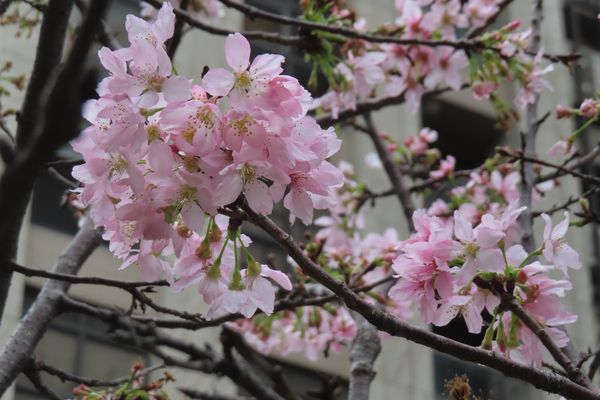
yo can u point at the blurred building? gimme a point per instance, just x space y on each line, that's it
467 131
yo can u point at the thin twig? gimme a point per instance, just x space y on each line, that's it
392 171
92 382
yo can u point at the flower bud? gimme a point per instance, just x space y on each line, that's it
589 108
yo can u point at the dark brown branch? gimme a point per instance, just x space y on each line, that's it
105 35
471 42
34 377
198 395
280 381
369 106
195 321
572 165
250 35
88 280
572 200
91 382
566 170
200 360
594 366
67 183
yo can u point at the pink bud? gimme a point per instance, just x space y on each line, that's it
589 108
511 26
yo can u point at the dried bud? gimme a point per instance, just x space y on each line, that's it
204 251
80 390
563 112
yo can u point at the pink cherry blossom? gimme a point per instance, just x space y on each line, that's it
555 247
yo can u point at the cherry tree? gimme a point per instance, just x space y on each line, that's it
174 169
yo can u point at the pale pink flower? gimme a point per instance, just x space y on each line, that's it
555 247
450 64
247 80
446 168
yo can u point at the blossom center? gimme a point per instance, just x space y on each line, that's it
243 81
248 173
471 249
117 165
242 126
188 193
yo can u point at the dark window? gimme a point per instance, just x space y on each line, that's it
581 22
469 136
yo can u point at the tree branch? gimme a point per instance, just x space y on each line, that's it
48 54
250 35
364 350
91 382
371 105
34 377
33 325
392 171
45 133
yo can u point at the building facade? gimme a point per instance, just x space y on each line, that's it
404 370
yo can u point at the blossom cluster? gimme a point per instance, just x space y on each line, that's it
411 69
343 250
444 262
163 154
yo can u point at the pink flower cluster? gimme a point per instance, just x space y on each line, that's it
312 331
346 253
440 261
162 155
394 69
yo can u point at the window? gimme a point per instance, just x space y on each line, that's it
471 143
77 344
581 22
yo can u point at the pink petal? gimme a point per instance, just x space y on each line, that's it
237 51
177 88
279 277
218 82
